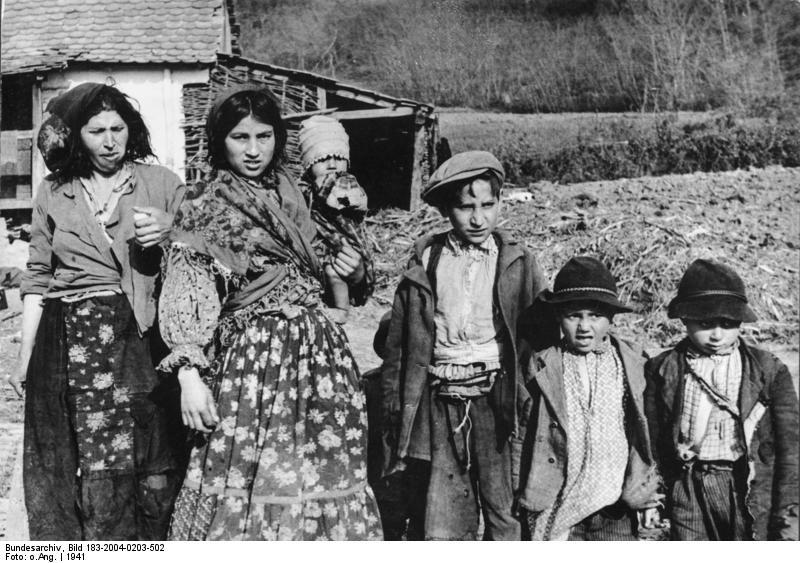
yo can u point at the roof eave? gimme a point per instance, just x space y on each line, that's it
323 81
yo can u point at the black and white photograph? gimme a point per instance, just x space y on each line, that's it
399 270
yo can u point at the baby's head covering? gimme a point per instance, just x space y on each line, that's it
320 137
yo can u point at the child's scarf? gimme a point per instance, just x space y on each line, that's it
597 447
709 411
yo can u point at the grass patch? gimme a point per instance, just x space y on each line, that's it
721 144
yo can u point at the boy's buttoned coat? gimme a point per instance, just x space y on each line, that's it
544 455
772 496
410 342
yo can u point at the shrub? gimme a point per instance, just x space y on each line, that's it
720 145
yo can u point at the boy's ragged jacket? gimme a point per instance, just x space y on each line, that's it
544 454
410 341
772 496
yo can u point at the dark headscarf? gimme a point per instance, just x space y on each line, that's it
56 132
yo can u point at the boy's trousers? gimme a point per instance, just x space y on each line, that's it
708 500
463 434
400 496
604 525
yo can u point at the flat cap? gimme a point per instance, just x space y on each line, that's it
459 168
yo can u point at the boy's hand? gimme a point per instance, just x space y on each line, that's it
650 518
349 264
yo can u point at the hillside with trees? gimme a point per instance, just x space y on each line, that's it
543 55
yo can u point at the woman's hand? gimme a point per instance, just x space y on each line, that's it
349 264
151 225
31 315
198 410
19 373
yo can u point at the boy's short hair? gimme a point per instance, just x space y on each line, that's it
460 170
603 308
448 196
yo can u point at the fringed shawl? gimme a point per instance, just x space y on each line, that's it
234 221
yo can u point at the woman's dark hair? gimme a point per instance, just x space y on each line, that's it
262 105
108 99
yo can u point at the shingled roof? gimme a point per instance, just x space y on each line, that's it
48 34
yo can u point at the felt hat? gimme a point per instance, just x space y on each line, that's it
57 132
710 290
320 137
584 278
459 168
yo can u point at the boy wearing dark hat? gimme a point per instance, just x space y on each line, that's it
588 468
450 377
723 416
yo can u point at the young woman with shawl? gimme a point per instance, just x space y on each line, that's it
263 370
97 462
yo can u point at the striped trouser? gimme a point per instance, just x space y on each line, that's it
613 523
707 502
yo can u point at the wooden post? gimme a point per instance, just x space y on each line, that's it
418 173
322 98
38 168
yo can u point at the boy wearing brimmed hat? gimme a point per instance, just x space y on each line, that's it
587 468
338 206
450 376
723 416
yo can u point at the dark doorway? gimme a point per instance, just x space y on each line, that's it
382 158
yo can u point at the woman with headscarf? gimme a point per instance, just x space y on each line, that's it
97 458
264 371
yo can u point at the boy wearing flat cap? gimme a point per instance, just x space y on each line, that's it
450 376
587 468
723 416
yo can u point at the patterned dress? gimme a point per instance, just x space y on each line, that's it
597 448
288 458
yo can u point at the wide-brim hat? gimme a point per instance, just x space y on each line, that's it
710 290
460 168
584 278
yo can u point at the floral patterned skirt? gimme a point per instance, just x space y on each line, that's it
99 460
288 458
